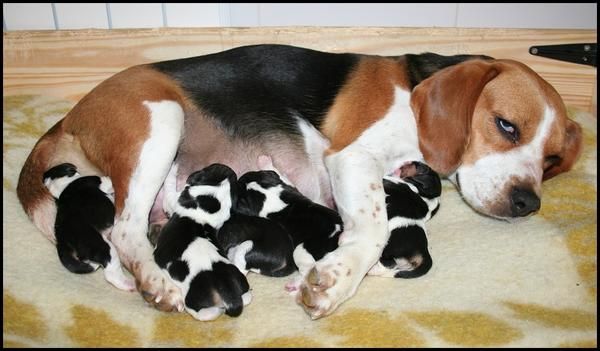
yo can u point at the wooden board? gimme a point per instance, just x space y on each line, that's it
70 63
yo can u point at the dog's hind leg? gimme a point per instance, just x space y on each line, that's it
129 233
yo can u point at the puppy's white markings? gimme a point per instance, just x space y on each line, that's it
57 185
237 255
221 192
272 202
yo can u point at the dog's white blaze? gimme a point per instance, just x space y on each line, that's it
482 181
221 192
272 202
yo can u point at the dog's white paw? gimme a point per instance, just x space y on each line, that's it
333 280
118 279
157 288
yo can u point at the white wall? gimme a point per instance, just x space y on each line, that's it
24 16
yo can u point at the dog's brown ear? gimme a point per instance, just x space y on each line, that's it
443 105
570 153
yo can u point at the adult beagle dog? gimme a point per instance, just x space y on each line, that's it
334 123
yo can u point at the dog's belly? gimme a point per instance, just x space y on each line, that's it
299 157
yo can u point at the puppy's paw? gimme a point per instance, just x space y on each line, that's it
157 288
292 287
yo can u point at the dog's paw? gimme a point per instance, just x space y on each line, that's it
333 280
158 289
119 280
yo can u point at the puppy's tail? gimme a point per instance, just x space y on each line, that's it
53 148
231 287
422 269
68 258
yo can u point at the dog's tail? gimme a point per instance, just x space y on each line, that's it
53 148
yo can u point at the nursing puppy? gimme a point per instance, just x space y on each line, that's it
271 217
257 244
187 248
265 194
412 198
84 217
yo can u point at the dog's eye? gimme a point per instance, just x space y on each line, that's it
507 129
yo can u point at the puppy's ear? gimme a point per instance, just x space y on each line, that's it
570 153
443 105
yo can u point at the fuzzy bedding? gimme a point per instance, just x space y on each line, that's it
492 284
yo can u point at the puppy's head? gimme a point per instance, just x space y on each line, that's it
265 179
254 189
208 195
57 178
497 130
425 179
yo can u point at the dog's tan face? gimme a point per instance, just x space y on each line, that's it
509 132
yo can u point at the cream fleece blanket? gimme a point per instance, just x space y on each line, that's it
492 284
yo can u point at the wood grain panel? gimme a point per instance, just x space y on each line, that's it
70 63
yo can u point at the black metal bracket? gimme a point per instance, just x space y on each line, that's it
584 53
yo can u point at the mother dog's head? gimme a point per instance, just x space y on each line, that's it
497 130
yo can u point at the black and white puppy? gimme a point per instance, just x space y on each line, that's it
286 219
412 198
257 244
188 250
84 218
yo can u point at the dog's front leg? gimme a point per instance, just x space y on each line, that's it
129 234
356 175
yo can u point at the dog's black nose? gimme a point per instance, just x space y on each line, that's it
523 202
